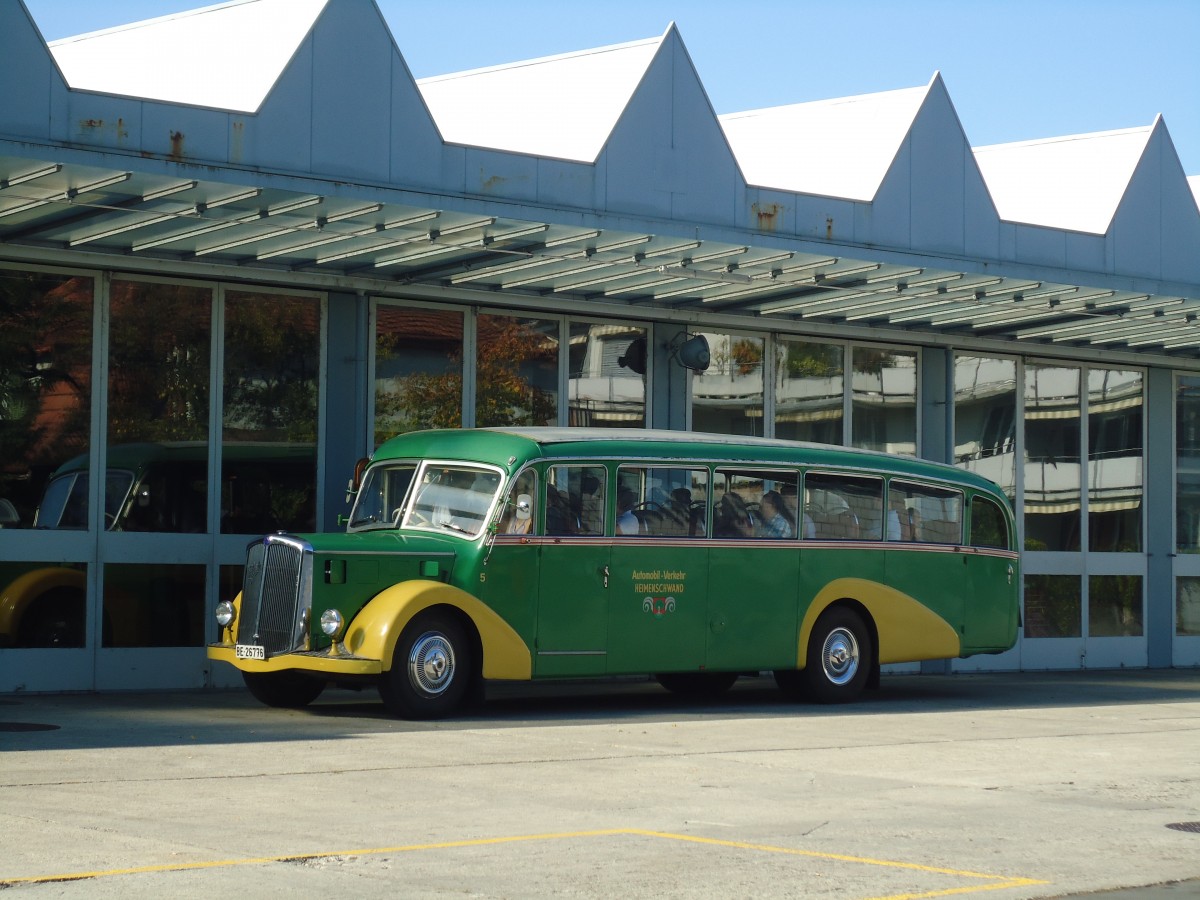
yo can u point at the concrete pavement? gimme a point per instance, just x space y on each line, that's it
1007 786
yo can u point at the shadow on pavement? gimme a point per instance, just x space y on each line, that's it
147 719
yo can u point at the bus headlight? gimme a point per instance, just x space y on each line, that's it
225 613
332 622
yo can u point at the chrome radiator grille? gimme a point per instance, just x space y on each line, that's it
276 595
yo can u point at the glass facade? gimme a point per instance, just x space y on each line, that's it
159 365
210 414
985 418
1187 464
1187 606
516 366
45 386
810 387
1053 606
1063 599
270 413
418 370
1052 468
727 398
884 400
607 371
1115 460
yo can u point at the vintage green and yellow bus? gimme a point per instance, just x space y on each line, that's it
548 553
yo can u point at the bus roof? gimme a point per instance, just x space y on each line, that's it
511 447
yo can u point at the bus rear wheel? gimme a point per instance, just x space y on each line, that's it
840 656
697 684
431 668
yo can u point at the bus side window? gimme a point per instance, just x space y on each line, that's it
755 503
661 502
518 519
575 500
988 525
843 507
921 512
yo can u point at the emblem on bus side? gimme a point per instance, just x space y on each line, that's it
658 606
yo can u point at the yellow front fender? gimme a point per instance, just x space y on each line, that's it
20 594
908 630
376 629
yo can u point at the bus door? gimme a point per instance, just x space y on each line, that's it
925 561
658 601
753 571
574 577
993 579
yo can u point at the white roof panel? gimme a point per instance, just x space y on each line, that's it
563 107
226 57
1073 182
1194 183
839 148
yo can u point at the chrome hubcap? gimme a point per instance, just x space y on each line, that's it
839 656
431 663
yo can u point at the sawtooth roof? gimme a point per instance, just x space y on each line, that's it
304 145
250 43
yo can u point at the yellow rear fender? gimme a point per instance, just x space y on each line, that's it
375 631
18 596
908 631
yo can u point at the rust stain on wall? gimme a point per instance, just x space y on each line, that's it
177 145
237 141
767 215
101 130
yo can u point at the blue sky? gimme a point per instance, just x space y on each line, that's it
1016 69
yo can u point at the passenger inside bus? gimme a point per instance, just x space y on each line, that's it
777 520
559 518
733 520
627 522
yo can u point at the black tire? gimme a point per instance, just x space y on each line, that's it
283 690
54 619
431 668
840 657
791 682
697 684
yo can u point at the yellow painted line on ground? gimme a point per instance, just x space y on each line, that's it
996 882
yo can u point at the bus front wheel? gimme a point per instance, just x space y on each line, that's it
431 668
283 690
839 657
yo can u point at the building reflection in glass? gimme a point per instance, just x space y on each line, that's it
1115 460
516 371
810 391
45 384
1052 468
884 400
985 419
1187 464
418 370
607 365
728 397
272 353
1053 606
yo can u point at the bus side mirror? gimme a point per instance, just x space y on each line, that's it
8 514
524 507
356 482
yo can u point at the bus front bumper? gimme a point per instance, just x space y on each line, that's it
309 660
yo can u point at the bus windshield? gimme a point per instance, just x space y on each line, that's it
444 497
454 497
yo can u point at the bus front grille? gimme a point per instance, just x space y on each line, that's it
275 595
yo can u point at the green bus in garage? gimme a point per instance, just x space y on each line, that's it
547 553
